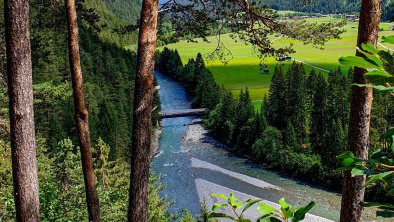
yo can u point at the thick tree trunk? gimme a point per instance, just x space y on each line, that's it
20 89
81 114
142 113
360 115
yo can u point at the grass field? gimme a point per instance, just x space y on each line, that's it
243 69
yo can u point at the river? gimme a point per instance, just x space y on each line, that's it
192 167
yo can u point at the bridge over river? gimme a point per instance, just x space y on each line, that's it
191 166
184 113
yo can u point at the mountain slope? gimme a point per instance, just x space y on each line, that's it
125 9
326 6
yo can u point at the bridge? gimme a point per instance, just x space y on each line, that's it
183 113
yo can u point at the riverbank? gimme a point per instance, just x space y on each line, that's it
196 133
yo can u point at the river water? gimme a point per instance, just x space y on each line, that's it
191 167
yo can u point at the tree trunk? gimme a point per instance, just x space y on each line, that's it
142 113
20 90
81 114
360 114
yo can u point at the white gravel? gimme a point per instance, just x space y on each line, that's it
196 163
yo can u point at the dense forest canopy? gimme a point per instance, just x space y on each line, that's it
125 9
322 6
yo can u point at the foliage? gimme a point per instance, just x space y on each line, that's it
327 6
268 213
124 9
62 189
108 73
380 166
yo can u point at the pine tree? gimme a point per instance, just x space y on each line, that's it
360 113
221 121
276 105
244 112
295 97
334 143
81 114
22 129
290 137
142 113
318 114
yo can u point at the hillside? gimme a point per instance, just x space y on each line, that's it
328 6
108 74
125 9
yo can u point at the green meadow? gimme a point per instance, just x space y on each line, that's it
243 68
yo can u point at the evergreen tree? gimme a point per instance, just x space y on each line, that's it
276 106
221 120
318 114
207 91
244 112
295 97
334 143
290 137
338 98
22 129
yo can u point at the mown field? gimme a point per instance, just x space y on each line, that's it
243 69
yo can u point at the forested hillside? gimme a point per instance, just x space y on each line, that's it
109 72
328 6
125 9
317 6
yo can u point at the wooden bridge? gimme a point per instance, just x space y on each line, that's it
183 113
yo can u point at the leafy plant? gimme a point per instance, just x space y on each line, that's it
268 213
378 63
380 166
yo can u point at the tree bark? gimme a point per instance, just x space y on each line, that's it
20 90
142 113
360 115
81 114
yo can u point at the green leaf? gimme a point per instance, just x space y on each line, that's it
386 56
300 213
372 58
348 162
369 48
358 61
345 155
222 196
378 177
265 209
232 199
379 73
250 203
357 172
379 78
378 88
360 171
389 39
217 206
283 204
